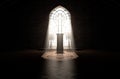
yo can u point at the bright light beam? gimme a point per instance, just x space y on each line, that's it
59 22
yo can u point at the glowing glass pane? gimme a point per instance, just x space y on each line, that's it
59 22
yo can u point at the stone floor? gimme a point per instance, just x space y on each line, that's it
91 64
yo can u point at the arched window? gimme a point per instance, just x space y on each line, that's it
59 22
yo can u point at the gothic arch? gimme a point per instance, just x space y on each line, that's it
59 22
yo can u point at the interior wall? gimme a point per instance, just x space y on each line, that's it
24 24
